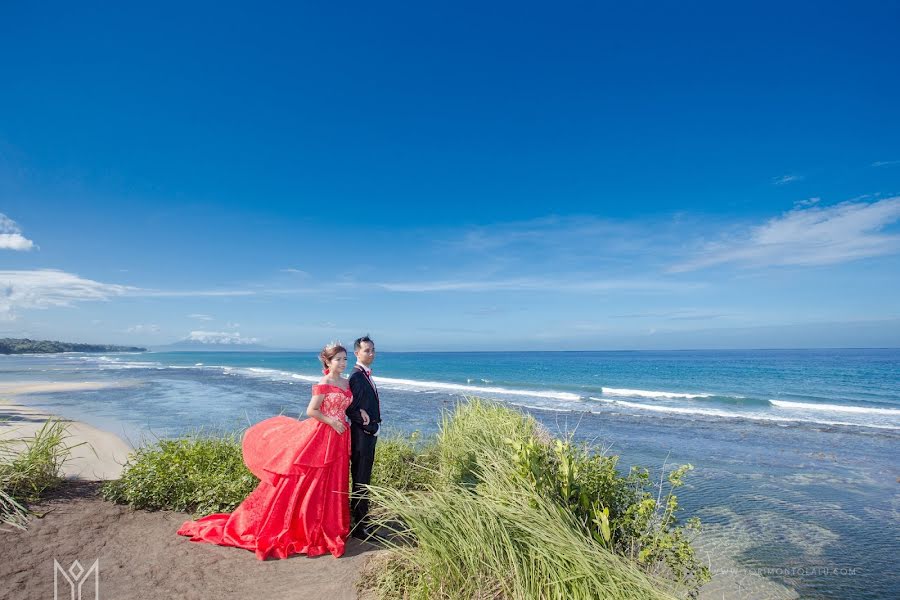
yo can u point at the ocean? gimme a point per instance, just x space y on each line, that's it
795 452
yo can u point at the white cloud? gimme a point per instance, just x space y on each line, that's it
885 163
589 283
676 315
552 233
46 288
188 293
220 337
200 317
11 237
807 236
15 241
151 328
295 272
786 179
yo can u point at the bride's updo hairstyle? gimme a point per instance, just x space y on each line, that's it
329 352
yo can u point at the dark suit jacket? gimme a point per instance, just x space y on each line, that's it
365 397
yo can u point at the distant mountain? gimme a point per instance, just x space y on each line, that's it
27 346
192 346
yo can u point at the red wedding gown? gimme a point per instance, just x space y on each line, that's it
301 504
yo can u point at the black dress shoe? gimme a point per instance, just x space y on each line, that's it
361 532
366 533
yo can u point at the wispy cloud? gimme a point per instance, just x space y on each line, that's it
200 317
588 283
293 271
786 179
885 163
46 288
488 311
143 292
555 234
11 237
807 202
149 328
220 337
678 315
807 236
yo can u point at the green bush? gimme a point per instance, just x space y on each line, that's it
201 474
490 458
499 538
629 515
29 467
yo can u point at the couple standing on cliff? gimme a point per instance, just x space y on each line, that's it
301 504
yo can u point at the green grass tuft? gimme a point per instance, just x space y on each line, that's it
405 462
30 467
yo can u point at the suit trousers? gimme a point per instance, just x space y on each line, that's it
362 457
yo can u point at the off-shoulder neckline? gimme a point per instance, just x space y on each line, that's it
347 389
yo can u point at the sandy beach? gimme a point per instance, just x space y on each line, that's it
95 454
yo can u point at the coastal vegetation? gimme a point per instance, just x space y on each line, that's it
492 506
27 346
30 467
202 473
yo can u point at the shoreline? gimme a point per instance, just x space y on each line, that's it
94 453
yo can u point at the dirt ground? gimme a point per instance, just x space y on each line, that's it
140 556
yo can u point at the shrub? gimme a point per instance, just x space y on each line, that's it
629 515
501 538
498 472
201 474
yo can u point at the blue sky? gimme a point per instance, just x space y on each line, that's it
452 176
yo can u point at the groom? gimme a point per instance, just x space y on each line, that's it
365 415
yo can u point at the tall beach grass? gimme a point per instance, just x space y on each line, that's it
500 509
29 467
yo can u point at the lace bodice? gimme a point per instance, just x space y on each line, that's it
336 400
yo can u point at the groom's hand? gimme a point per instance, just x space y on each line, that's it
365 417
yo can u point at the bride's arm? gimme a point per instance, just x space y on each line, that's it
313 410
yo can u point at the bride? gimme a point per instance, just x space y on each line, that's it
301 504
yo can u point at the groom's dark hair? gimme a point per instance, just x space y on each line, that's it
360 341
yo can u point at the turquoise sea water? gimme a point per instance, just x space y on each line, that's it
796 453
